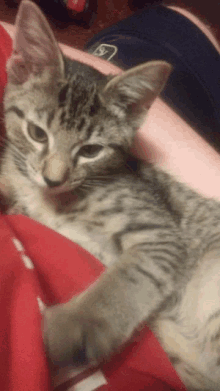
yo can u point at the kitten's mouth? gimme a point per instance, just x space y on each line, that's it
64 188
49 188
57 190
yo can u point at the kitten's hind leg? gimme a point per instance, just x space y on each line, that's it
193 338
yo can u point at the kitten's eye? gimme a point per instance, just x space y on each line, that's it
37 133
90 150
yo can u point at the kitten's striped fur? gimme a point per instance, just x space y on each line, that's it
67 165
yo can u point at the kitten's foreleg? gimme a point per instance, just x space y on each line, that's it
92 326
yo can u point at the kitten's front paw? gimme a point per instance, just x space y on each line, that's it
79 335
16 209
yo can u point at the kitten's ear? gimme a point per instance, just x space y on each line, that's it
34 45
135 90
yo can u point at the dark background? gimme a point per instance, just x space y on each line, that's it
111 11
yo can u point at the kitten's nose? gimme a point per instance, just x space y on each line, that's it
55 170
51 183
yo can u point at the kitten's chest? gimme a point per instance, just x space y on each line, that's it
91 222
92 240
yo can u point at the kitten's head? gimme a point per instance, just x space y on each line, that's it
65 121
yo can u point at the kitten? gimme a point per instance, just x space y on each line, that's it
67 164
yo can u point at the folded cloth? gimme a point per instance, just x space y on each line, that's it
39 268
161 33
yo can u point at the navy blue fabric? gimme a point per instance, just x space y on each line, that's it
193 90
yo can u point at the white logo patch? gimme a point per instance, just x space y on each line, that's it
105 51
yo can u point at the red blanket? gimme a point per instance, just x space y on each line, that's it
40 267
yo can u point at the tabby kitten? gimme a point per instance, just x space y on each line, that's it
67 165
